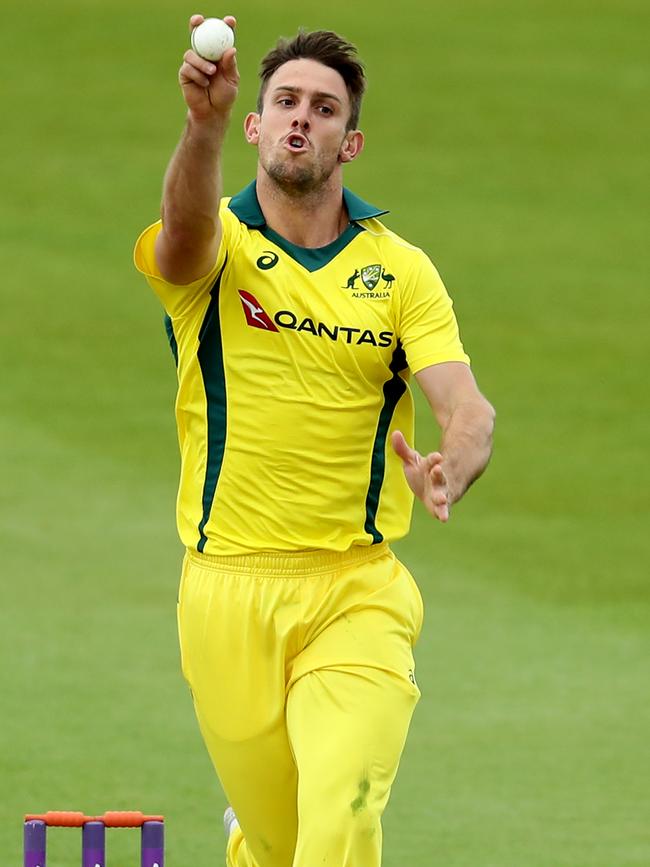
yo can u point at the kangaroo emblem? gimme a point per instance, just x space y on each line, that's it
353 279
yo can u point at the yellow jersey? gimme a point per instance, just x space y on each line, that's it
293 369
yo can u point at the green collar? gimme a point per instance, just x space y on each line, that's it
246 207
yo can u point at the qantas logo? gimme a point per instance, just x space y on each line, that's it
257 317
255 314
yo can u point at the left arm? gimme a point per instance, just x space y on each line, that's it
466 421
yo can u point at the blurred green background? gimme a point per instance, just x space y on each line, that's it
510 140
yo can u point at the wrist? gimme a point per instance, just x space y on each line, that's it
454 490
208 124
453 494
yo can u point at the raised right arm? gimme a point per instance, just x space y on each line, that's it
188 243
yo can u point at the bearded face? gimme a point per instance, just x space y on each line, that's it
301 133
298 176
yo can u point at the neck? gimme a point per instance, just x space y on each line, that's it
312 219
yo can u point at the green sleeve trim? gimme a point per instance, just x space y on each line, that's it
169 328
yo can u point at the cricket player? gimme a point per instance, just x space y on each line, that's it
298 322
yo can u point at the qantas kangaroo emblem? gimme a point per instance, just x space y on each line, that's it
255 314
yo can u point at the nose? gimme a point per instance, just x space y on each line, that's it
300 122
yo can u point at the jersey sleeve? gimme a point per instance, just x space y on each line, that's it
427 326
179 299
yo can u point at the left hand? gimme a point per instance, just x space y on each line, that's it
425 476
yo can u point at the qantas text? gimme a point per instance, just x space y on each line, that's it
287 319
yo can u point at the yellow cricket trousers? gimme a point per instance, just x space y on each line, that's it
302 675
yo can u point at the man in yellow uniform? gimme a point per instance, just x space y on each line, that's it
296 319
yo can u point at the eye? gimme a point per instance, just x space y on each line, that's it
325 109
285 100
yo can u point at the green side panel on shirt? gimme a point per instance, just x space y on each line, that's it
394 388
210 356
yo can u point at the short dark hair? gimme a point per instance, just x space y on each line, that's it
327 48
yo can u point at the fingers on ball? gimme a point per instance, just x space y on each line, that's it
193 59
189 73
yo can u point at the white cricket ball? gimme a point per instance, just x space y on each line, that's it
212 38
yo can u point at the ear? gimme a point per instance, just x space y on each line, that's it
352 146
252 128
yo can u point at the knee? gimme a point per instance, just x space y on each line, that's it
340 839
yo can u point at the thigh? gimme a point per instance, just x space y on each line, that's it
233 645
347 726
369 615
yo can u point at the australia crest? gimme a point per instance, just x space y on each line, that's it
370 276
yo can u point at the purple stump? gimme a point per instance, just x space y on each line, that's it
93 845
152 847
34 846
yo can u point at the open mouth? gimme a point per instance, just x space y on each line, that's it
296 142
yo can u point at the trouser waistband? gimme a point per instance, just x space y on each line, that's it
288 562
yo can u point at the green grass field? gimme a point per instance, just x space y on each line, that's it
510 139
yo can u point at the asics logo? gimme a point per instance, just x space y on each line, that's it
268 260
